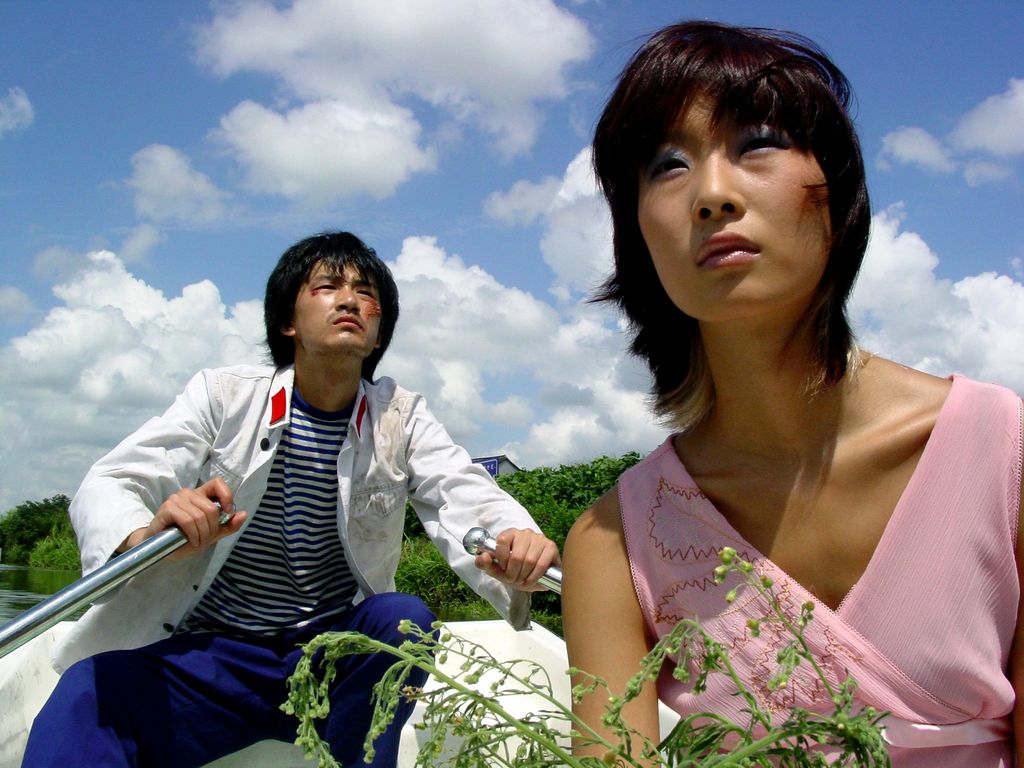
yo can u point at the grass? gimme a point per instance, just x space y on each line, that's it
424 572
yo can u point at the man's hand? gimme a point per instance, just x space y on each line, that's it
195 512
521 557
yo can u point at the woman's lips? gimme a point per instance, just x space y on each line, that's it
726 250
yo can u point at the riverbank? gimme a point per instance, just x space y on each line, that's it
22 587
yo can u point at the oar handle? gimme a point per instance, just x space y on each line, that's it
88 589
478 540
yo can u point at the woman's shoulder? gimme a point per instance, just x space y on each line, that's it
600 518
604 516
901 381
883 391
888 389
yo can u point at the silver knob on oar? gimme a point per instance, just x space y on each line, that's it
478 540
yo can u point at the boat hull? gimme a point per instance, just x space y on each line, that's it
26 680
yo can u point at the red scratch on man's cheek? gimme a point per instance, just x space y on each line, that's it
372 308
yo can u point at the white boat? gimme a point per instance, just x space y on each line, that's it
26 680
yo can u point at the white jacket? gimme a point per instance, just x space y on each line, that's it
228 423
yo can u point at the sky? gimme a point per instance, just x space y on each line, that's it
157 158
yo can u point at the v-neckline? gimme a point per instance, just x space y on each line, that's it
891 523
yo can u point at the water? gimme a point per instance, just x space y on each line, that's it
22 587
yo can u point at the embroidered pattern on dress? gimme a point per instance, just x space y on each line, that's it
803 688
676 515
669 519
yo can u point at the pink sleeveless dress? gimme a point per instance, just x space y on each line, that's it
925 632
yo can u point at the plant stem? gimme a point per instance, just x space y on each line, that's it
484 701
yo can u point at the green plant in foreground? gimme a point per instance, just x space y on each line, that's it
468 723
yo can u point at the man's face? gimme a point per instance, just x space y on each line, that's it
335 315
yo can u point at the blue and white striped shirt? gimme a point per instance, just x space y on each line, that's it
288 568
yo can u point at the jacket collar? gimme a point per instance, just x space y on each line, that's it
359 419
279 406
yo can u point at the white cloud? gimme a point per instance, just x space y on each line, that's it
459 326
514 411
523 202
506 371
325 150
167 187
57 263
461 330
116 350
112 353
577 240
904 311
915 146
15 305
996 126
350 64
16 112
139 242
979 172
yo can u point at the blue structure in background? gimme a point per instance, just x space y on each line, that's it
497 465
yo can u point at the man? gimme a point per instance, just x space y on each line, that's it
314 461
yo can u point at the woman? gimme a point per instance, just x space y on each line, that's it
887 497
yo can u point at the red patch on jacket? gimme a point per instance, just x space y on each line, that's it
278 404
359 417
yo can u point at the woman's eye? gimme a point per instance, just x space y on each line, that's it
665 162
764 137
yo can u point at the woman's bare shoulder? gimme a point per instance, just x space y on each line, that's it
901 381
602 520
888 390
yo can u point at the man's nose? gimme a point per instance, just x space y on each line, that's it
347 297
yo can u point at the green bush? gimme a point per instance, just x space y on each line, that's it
555 498
422 571
59 550
39 534
28 524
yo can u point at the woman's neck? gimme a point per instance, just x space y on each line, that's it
765 400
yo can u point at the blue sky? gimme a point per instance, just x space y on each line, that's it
155 159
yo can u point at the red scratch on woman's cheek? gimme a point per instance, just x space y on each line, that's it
372 308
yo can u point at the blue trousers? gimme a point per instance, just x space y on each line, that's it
194 697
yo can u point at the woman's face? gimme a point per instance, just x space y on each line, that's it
736 219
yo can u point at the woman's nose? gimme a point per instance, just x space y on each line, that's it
717 193
725 207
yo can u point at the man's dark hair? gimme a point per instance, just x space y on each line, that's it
749 77
335 251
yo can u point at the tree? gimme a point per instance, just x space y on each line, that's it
555 498
23 527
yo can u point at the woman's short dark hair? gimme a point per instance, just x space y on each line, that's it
335 251
751 77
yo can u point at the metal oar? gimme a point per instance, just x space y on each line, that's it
478 540
88 589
